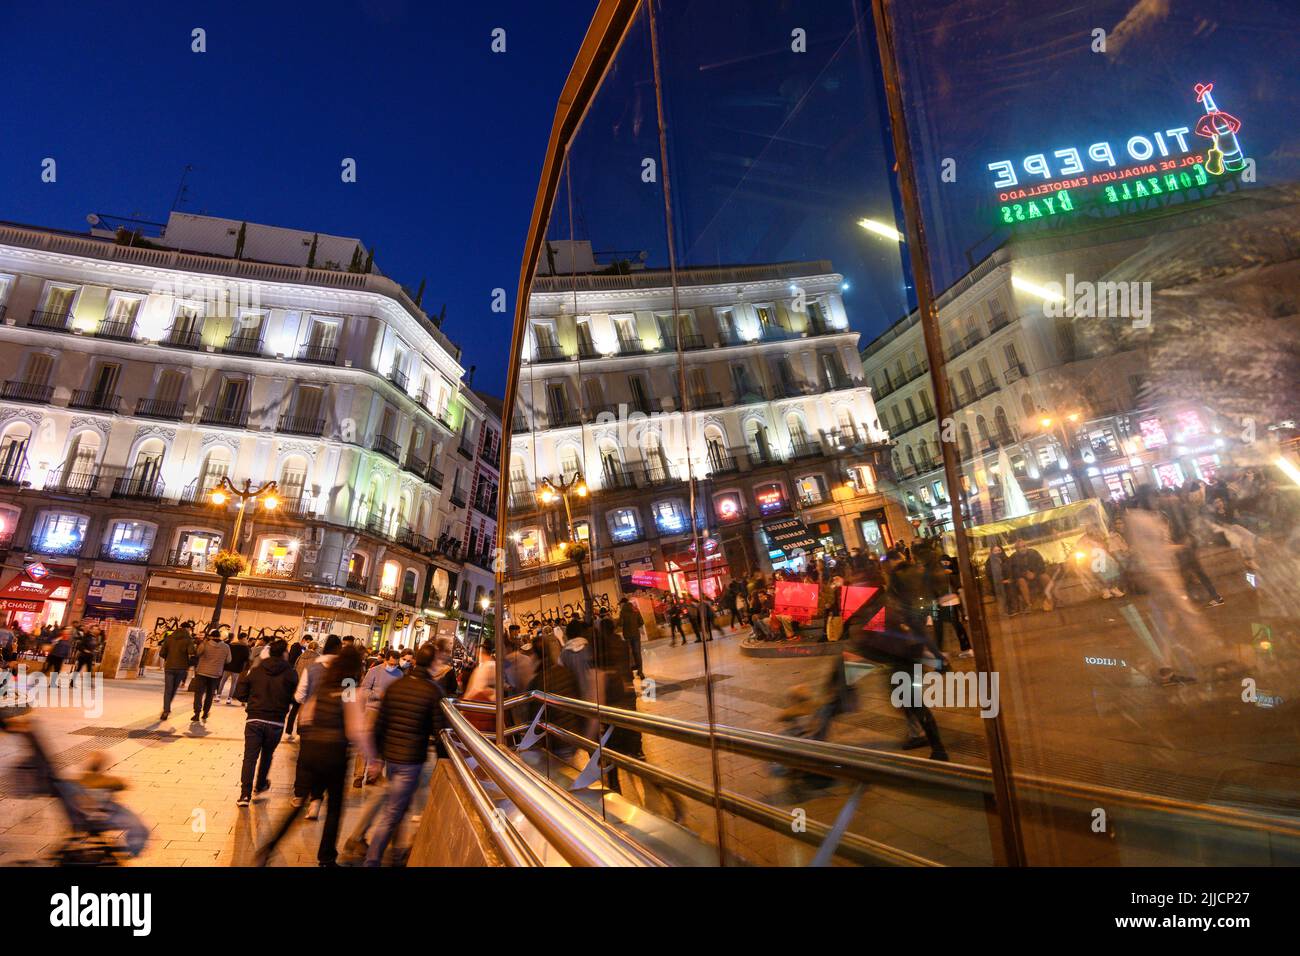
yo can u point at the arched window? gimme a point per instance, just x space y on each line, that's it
611 465
911 456
569 462
357 571
982 427
13 453
81 466
923 450
441 581
388 579
215 467
148 462
715 445
410 584
966 450
1027 403
798 432
1003 426
293 479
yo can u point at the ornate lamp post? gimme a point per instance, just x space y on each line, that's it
553 491
230 562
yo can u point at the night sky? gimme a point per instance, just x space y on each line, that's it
449 138
773 155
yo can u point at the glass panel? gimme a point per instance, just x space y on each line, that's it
1130 514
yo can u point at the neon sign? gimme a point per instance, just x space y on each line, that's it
1160 164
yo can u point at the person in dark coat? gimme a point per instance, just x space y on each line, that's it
268 692
631 622
175 652
409 720
235 667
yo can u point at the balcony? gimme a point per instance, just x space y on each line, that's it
434 477
319 354
225 417
466 448
140 489
184 339
120 330
27 392
191 560
722 463
125 553
911 375
76 483
50 321
457 498
398 378
999 322
841 381
486 507
549 353
702 400
153 408
415 465
563 418
764 457
243 345
358 583
13 472
969 340
94 400
619 479
655 475
56 547
1015 373
522 501
387 447
301 425
630 346
804 448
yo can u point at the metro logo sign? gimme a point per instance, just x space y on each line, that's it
36 570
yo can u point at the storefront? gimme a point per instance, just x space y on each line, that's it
36 596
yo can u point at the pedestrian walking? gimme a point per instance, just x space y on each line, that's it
408 720
87 646
235 667
268 693
175 652
61 649
308 683
300 667
213 656
631 623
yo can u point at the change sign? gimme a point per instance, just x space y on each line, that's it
790 535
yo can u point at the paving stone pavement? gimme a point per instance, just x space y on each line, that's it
183 779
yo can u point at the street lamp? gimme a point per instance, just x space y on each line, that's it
549 493
1050 425
225 491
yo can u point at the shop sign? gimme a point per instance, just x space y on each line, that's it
790 535
110 599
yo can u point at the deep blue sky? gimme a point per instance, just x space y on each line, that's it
448 137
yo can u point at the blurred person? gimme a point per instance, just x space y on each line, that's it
309 680
98 788
409 720
268 693
377 680
631 623
300 666
61 648
296 650
87 646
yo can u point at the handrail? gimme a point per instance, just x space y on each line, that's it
507 840
864 765
580 840
860 849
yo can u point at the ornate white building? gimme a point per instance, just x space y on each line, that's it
138 372
775 420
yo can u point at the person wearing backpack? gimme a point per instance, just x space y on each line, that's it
214 655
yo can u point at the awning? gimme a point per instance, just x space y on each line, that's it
24 593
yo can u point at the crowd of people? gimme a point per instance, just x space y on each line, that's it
74 648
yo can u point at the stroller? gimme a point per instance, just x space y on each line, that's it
94 818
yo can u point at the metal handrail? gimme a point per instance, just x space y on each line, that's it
506 838
864 765
852 846
581 840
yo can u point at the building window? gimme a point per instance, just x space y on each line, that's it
624 525
276 557
130 540
863 479
410 582
530 546
388 580
670 517
728 507
59 532
195 549
770 498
